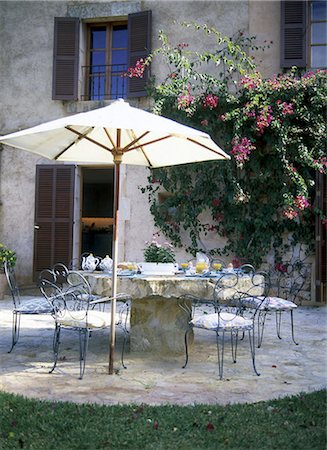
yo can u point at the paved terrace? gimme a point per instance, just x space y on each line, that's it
285 368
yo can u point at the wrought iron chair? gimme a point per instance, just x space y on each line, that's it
73 310
226 317
287 281
34 306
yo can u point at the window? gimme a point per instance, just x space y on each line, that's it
111 48
107 62
304 34
318 38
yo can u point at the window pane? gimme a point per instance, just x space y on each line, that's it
319 10
118 86
119 57
97 88
319 33
98 37
119 36
98 58
319 56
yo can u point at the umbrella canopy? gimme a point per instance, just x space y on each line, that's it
115 134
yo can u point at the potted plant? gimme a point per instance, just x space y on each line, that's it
5 255
159 258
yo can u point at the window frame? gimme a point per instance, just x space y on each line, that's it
310 44
109 25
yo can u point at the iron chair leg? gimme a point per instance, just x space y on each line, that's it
234 342
278 323
186 347
261 325
252 349
126 333
292 327
15 330
83 344
220 353
56 344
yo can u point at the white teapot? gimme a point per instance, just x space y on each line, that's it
90 263
106 264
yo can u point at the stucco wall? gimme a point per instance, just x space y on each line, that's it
26 85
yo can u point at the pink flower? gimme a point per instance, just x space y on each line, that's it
242 149
222 117
292 168
182 45
264 119
204 122
321 164
185 100
280 267
301 202
137 71
251 81
210 101
290 213
287 108
215 202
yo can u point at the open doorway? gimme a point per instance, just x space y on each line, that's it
97 211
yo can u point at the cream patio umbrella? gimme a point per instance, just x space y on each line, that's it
114 135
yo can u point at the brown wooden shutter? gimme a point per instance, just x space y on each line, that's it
65 58
293 33
54 197
139 46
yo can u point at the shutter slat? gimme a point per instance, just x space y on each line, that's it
293 33
65 58
139 47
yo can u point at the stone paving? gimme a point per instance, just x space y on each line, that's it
285 368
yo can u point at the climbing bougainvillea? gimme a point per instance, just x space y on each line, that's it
274 130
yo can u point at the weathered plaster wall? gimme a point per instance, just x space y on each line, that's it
264 20
26 76
26 85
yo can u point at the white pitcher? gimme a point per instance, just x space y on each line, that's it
90 263
106 264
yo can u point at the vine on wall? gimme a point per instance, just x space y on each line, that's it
274 129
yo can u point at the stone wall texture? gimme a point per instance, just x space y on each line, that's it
26 55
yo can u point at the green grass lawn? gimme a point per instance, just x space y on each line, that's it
297 422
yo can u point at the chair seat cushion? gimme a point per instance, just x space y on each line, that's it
38 305
268 303
224 320
84 319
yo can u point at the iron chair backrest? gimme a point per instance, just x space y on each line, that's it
74 301
47 284
289 280
233 288
60 272
12 283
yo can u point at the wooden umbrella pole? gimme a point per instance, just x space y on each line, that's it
117 161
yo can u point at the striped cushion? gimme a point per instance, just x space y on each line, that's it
38 305
268 303
226 321
83 319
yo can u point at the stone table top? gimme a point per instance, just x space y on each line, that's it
141 286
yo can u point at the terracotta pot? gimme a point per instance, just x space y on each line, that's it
3 285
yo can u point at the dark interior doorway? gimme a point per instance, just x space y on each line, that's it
97 211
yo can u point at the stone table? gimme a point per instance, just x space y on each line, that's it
157 322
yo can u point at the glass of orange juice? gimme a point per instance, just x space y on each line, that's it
216 266
184 266
200 267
